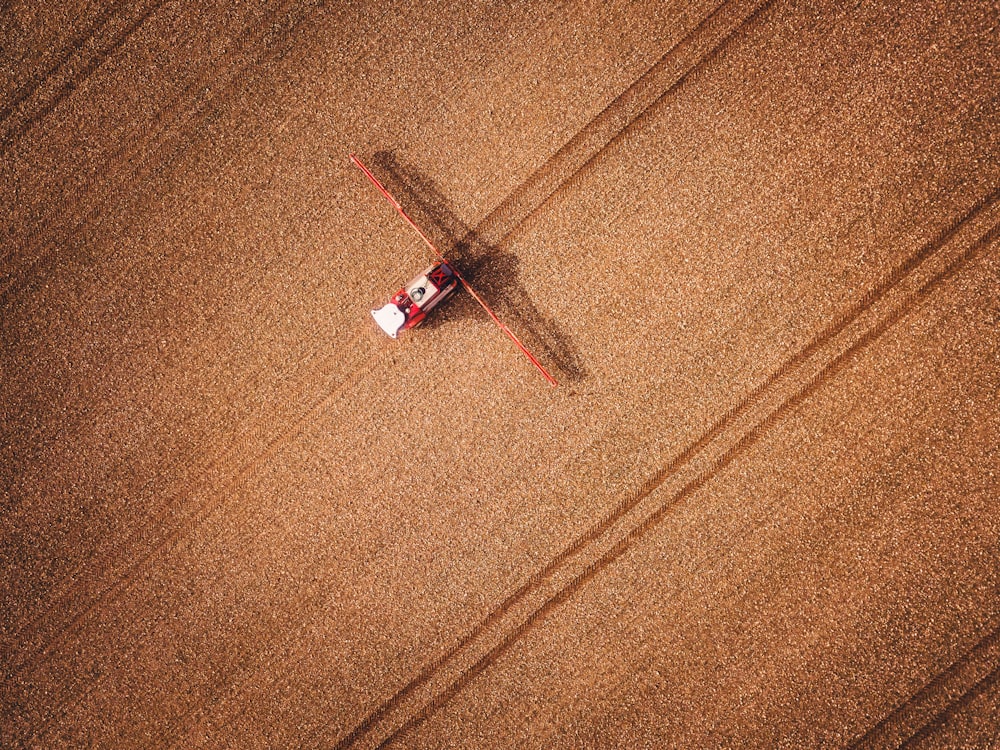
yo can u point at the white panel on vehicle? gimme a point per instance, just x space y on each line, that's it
390 319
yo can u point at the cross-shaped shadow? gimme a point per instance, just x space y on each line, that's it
493 272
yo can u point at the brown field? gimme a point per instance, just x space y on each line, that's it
758 243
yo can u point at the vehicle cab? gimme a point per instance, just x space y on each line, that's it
410 305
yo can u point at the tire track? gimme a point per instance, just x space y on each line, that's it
71 77
163 509
918 716
638 513
130 164
928 730
627 110
212 493
141 155
29 87
695 49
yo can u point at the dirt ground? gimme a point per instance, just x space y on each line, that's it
758 244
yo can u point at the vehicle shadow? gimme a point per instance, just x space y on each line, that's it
493 272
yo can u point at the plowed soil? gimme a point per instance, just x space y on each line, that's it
757 243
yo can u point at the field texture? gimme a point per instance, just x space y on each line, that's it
756 241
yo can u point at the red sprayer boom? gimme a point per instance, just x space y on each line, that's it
439 254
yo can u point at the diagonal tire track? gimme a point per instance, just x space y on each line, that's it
886 303
986 683
945 692
54 87
626 111
211 495
73 586
30 87
693 51
150 151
